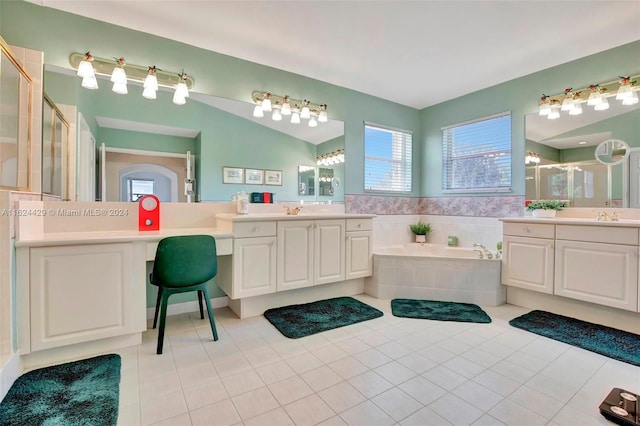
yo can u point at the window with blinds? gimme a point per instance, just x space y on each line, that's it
476 155
387 159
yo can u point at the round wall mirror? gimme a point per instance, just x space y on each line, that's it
612 151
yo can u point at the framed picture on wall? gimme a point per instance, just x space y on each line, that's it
273 177
232 174
254 176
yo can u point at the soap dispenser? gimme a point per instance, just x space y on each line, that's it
242 203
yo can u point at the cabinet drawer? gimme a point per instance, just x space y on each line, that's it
359 224
535 230
598 234
254 229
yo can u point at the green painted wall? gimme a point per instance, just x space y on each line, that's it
520 96
118 138
59 34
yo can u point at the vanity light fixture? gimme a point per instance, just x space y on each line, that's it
283 106
532 157
596 95
89 66
331 158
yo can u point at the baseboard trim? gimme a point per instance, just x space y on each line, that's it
9 372
186 307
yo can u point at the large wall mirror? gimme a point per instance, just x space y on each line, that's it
156 136
15 122
561 156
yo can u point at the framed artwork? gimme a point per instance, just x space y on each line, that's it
254 176
273 177
232 174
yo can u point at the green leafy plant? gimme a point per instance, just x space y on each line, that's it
546 205
420 228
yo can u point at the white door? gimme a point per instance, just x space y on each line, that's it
295 254
528 263
329 252
254 266
359 258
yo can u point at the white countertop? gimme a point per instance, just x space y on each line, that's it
99 237
629 223
283 216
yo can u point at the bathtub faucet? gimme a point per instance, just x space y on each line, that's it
484 252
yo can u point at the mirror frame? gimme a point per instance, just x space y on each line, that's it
608 148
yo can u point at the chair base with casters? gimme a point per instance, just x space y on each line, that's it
183 264
161 305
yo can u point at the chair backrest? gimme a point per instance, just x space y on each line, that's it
185 260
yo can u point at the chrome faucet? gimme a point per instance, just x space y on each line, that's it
603 217
484 252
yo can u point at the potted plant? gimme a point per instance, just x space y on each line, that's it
420 230
545 208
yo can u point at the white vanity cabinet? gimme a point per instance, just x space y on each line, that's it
359 257
310 252
79 293
528 256
254 260
598 265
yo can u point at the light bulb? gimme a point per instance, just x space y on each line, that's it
276 116
90 82
545 108
624 91
179 100
554 114
85 69
149 93
286 107
576 110
266 103
182 89
151 82
603 105
313 122
305 113
630 100
120 88
257 111
567 104
594 98
119 76
295 117
322 116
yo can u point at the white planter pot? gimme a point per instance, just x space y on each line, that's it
421 238
543 213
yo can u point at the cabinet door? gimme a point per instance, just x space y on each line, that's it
295 254
606 274
329 254
254 266
528 263
80 293
359 259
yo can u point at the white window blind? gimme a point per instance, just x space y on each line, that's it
387 159
476 155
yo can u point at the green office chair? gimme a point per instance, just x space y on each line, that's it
183 264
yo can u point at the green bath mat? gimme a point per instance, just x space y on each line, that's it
603 340
440 311
77 393
297 321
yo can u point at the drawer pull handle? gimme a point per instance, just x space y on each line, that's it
359 225
254 229
526 230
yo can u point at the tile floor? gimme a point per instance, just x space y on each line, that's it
387 371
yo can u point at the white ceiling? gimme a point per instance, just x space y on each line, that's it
416 53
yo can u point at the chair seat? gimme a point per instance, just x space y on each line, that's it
183 264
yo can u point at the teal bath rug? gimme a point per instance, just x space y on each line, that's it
77 393
439 311
607 341
297 321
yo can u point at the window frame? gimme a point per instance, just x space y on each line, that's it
404 162
446 159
